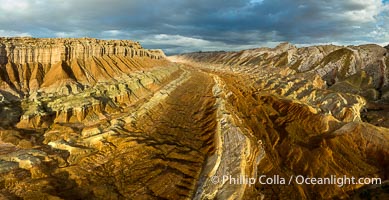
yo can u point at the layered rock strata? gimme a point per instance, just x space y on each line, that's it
62 80
360 70
50 51
102 126
103 122
335 64
302 119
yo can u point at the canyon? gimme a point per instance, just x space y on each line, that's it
107 119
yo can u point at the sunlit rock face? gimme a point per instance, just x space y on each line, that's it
108 119
316 111
62 79
352 70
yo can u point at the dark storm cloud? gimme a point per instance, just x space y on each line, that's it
190 25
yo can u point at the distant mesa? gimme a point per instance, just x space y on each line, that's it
36 73
22 50
27 64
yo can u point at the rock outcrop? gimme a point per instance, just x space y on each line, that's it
307 108
96 119
57 80
29 64
333 63
360 70
75 110
26 50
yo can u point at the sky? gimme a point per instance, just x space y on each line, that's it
179 26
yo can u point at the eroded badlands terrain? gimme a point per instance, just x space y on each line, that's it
99 119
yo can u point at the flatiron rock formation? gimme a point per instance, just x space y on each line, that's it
108 119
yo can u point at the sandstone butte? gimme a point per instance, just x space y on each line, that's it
108 119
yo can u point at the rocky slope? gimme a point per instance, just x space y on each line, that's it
61 98
38 75
335 64
361 70
30 64
308 107
96 119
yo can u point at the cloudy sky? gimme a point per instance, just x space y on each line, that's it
191 25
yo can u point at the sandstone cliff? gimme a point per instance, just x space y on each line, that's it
35 73
49 51
28 64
